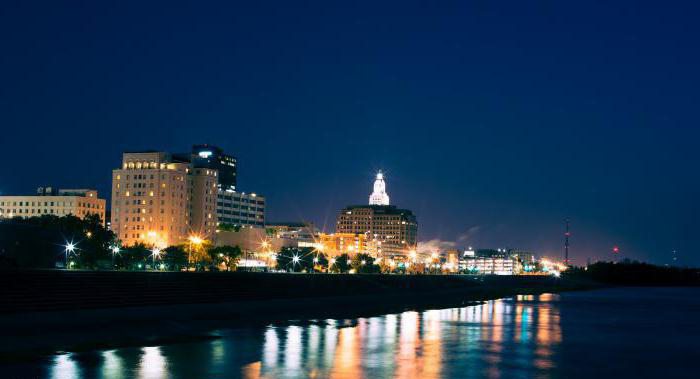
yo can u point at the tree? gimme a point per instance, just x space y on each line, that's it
229 227
91 239
175 257
198 255
341 264
296 259
96 244
320 262
363 264
133 257
225 255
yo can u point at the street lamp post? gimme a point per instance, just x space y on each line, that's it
69 248
156 254
115 251
196 241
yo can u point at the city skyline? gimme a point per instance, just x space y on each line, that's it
595 123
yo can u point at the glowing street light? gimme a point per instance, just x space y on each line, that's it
115 251
194 240
156 254
69 248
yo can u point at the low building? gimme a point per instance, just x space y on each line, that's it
490 262
343 243
300 231
49 201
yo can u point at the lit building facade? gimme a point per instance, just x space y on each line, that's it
492 265
392 230
239 209
47 201
342 243
159 199
490 262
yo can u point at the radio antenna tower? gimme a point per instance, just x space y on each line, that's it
566 243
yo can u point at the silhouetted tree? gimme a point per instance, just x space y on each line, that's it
175 257
226 255
364 264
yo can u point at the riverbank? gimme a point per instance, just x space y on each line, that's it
107 310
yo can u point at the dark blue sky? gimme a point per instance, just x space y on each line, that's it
493 120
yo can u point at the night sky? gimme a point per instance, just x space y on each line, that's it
494 121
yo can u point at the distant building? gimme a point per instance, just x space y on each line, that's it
392 230
49 201
239 209
160 199
490 262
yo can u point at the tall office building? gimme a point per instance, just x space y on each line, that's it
392 230
160 199
212 157
238 209
49 201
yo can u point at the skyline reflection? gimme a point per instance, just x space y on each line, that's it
495 339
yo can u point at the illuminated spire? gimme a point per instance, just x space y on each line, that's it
379 195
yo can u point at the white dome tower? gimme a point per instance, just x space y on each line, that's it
379 195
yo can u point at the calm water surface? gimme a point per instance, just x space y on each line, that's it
620 333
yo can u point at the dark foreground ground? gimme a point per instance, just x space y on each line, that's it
42 312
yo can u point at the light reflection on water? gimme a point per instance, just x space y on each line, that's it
496 339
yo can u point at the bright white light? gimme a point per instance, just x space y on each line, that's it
295 259
205 154
70 247
115 249
379 195
363 262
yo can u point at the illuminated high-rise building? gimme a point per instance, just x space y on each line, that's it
213 157
160 199
392 230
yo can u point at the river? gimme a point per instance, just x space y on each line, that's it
610 333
